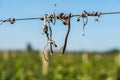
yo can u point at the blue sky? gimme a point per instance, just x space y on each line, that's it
102 35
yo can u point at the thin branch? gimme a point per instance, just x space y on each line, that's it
65 41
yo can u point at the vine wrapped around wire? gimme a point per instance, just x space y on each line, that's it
65 19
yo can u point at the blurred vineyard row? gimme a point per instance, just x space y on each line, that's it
27 65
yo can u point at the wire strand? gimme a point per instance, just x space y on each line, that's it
41 18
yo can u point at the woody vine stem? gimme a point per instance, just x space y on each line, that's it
50 19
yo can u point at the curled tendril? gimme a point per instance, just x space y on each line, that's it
96 20
11 20
66 37
44 52
3 22
84 22
54 18
51 41
78 19
51 49
45 30
66 21
48 31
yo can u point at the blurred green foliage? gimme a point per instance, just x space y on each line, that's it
26 65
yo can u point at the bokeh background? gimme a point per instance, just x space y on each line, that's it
96 56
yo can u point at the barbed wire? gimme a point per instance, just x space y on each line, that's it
49 19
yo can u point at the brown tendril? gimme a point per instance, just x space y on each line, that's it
45 29
66 37
51 49
84 23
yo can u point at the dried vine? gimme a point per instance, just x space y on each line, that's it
65 19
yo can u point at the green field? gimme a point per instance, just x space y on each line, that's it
24 65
